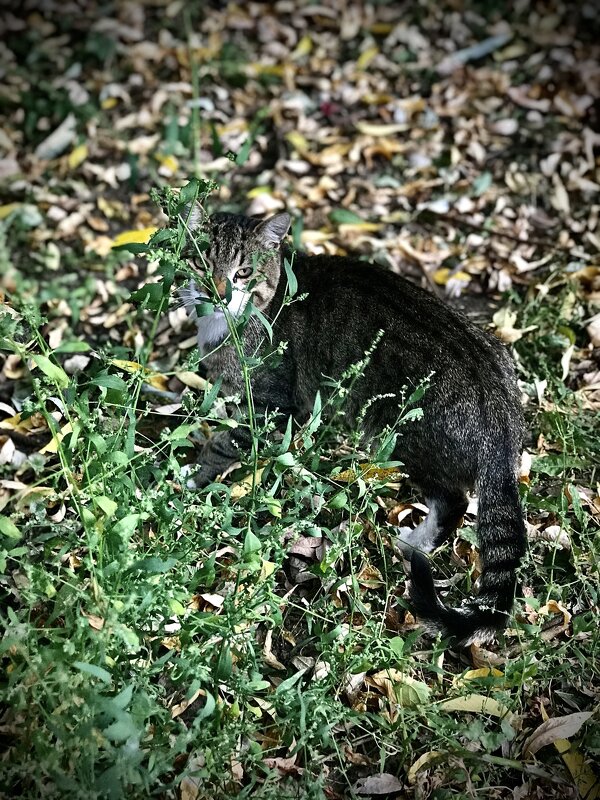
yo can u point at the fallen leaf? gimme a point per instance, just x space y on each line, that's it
479 704
384 783
423 761
553 729
134 237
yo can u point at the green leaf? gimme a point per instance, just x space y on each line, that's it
413 414
151 296
163 235
9 529
209 707
127 526
189 193
123 699
315 419
107 505
180 432
92 669
287 437
53 371
342 216
287 684
209 397
264 322
252 544
286 459
273 506
339 500
224 664
176 607
132 247
411 692
291 278
396 644
122 729
153 564
109 382
72 347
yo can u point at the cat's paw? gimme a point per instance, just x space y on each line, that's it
197 476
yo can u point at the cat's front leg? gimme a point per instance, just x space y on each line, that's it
220 452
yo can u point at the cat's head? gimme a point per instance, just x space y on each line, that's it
243 257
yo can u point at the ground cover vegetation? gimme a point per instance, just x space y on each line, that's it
253 639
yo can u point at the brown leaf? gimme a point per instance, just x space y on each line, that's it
383 783
553 729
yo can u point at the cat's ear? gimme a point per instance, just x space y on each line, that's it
273 230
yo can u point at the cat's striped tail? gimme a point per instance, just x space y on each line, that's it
502 542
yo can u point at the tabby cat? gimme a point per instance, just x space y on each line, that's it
471 430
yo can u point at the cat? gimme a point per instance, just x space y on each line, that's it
470 434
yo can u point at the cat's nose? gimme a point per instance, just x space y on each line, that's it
221 288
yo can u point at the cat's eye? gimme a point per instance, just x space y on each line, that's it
245 272
199 263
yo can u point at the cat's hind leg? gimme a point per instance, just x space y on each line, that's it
446 508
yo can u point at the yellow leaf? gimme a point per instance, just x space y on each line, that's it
376 98
128 366
352 227
368 471
297 141
442 276
34 422
273 506
257 68
140 236
381 28
8 209
267 568
154 379
366 57
475 674
157 381
422 761
303 48
193 380
375 129
583 775
52 446
347 476
244 487
258 190
77 156
109 102
479 704
169 162
314 237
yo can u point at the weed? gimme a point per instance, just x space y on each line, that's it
250 639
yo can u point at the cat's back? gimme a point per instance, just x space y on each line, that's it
357 298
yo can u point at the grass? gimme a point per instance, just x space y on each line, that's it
163 642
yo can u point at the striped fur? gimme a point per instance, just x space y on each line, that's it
471 431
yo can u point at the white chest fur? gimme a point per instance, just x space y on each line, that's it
212 329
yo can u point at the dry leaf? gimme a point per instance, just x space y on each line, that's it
479 704
553 729
384 783
423 761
